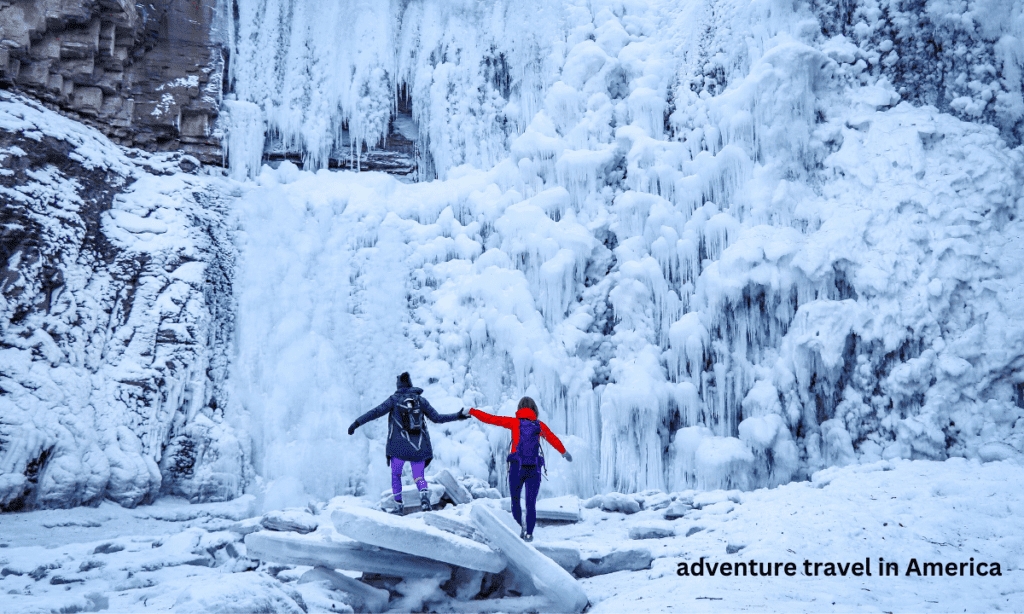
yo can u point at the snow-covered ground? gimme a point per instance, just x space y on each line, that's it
189 558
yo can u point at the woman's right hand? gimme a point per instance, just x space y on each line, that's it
352 428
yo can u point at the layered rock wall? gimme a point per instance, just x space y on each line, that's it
147 75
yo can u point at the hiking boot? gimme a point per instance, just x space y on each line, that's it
425 501
398 511
529 537
522 533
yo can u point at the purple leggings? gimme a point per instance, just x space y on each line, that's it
396 476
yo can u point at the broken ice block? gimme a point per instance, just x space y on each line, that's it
295 550
452 526
411 497
456 491
368 598
551 580
413 536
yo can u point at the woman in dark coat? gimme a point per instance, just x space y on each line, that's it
408 439
525 459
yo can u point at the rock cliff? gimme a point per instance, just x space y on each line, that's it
116 310
146 74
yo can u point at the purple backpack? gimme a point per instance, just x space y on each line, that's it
528 451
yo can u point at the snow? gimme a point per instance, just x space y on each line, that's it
175 555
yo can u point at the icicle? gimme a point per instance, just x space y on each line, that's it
243 145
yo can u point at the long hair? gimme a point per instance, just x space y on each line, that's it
528 403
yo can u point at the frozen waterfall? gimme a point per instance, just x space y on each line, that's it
720 242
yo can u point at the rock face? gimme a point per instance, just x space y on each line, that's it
115 280
147 74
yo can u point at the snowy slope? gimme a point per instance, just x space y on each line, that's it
723 244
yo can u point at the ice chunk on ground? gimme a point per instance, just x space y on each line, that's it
365 597
650 532
456 491
299 521
238 592
298 550
551 580
555 509
413 536
619 560
566 557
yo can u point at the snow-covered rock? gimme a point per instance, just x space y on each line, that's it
365 598
614 502
650 532
238 594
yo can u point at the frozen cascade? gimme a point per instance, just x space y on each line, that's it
723 244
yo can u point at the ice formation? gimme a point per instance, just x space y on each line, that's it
723 244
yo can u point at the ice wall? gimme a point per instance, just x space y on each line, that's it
723 244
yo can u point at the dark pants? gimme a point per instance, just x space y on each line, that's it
517 476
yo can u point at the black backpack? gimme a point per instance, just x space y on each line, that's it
410 414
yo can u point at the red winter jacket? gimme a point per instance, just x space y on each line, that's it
513 425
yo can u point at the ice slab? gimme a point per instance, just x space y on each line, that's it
295 550
551 580
451 525
411 497
568 558
413 536
366 597
456 491
299 521
556 509
619 560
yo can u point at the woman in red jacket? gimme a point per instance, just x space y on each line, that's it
525 459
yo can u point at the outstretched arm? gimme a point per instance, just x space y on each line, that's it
436 417
495 420
381 410
554 441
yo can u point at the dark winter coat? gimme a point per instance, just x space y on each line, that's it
400 444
